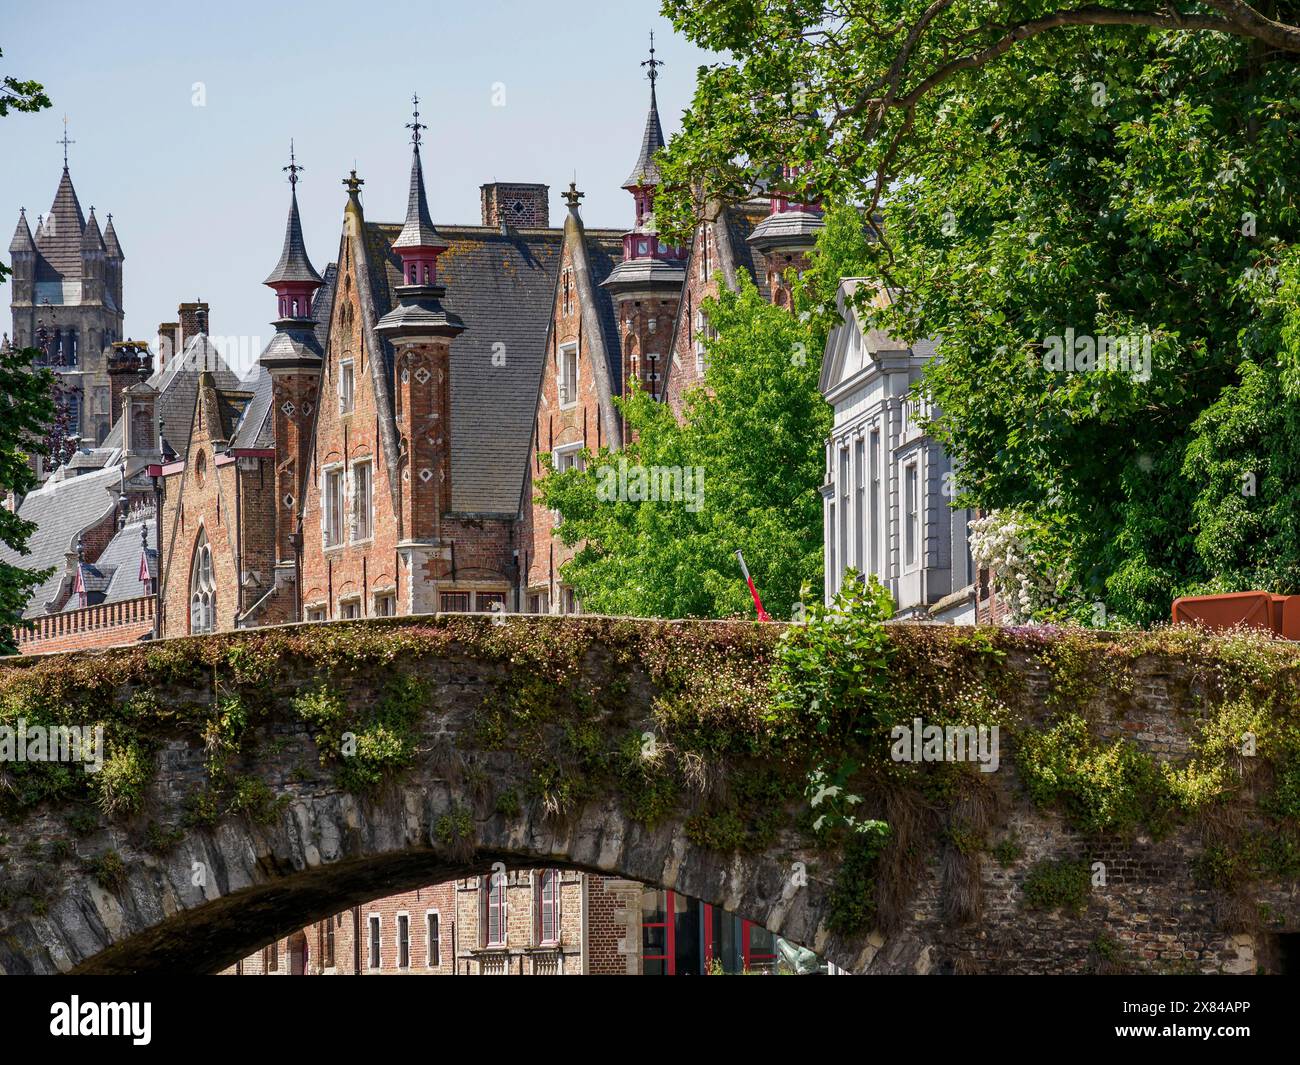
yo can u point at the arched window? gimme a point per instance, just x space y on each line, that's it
203 588
546 906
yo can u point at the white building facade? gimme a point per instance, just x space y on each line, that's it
888 485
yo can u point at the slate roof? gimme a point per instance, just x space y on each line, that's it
604 254
178 387
60 237
741 221
502 285
122 555
110 241
294 264
22 236
646 170
418 232
61 511
91 238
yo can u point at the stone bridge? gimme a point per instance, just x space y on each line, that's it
258 781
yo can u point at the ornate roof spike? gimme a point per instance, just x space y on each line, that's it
65 142
415 125
418 232
111 241
91 240
293 167
572 195
294 265
646 171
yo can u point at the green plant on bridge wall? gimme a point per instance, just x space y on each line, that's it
750 725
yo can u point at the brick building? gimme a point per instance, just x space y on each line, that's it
536 922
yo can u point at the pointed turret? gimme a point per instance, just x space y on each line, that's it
650 269
111 242
91 239
418 313
295 282
294 267
22 241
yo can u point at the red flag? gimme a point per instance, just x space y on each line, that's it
762 614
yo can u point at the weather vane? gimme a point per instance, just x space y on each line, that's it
293 167
417 125
652 62
65 142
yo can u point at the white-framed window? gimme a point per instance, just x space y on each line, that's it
385 604
568 375
315 613
568 457
349 609
492 890
403 940
332 506
912 512
876 517
203 587
860 503
546 906
701 323
843 487
432 939
362 504
347 386
375 958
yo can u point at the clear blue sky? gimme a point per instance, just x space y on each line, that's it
197 194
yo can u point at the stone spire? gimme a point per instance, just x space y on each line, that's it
91 239
22 241
60 238
110 240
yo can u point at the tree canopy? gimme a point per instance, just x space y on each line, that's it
1096 222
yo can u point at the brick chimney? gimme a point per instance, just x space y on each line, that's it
169 341
518 206
194 320
124 364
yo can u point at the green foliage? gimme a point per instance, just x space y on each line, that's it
109 870
122 780
853 899
754 435
1008 851
367 742
1054 885
1102 788
254 798
650 787
1113 181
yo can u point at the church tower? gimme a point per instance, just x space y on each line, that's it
67 297
647 284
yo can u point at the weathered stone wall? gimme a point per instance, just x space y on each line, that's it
509 708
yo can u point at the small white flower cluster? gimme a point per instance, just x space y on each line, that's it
997 541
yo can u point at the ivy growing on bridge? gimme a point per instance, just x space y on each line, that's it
753 738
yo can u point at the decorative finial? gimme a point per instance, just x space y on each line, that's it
65 142
652 62
144 536
353 183
572 195
416 125
293 167
81 549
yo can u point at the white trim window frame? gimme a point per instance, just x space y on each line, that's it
362 526
332 510
432 939
567 375
403 939
347 386
374 941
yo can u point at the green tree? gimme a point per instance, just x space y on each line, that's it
752 440
26 408
1116 174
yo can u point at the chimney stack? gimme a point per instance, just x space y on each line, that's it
124 364
515 205
194 320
